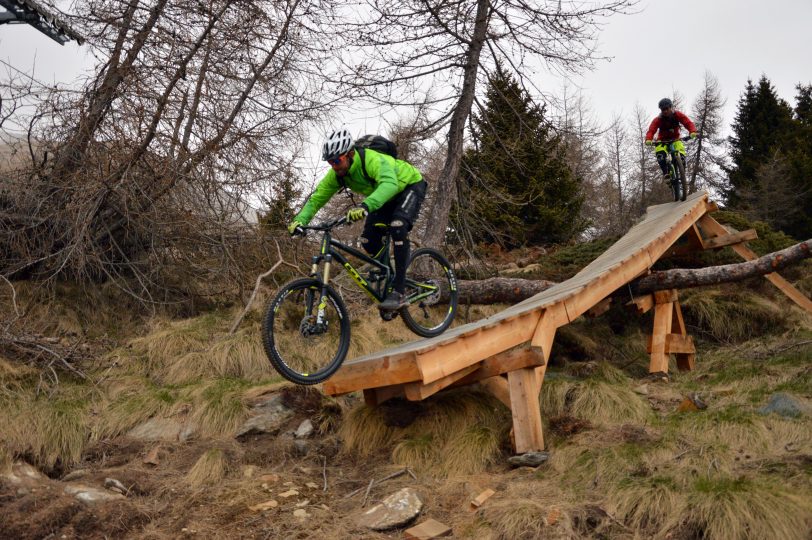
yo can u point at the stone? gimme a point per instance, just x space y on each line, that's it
267 416
300 513
396 510
248 471
114 485
642 390
529 459
75 475
91 495
24 475
785 405
162 429
271 478
304 430
302 447
312 485
289 493
302 504
261 507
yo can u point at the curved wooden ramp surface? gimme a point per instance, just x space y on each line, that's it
484 350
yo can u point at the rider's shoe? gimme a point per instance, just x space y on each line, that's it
393 302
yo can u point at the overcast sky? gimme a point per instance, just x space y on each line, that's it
667 46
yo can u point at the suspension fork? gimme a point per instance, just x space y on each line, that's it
327 257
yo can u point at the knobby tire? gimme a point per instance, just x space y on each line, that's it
299 358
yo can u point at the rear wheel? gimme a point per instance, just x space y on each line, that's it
431 290
305 340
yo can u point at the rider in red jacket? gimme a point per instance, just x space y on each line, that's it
667 127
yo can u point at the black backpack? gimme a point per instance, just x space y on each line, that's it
379 143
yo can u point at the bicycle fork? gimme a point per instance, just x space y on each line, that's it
328 259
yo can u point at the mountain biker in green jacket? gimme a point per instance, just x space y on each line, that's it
394 191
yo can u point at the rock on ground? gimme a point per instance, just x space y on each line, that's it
396 510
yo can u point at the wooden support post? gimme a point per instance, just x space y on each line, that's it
524 407
685 360
663 314
669 335
497 386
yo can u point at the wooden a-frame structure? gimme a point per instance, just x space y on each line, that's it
507 353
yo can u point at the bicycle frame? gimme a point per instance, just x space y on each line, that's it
332 249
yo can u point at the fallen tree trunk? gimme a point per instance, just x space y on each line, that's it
714 275
513 290
500 290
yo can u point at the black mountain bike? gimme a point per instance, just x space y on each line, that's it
306 329
676 168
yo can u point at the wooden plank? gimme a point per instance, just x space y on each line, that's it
524 407
690 242
662 324
477 501
502 363
600 308
466 351
686 362
660 246
373 373
730 239
552 318
642 303
416 391
427 530
666 296
675 343
606 284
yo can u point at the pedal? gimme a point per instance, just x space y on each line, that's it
388 315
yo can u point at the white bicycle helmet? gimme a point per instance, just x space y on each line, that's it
337 143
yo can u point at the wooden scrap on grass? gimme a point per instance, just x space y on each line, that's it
427 530
481 498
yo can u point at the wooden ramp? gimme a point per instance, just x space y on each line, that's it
487 350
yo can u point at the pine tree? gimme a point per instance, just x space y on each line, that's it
516 187
763 124
707 155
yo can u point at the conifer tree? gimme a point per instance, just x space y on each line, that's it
763 124
517 187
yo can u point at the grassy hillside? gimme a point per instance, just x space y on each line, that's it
625 462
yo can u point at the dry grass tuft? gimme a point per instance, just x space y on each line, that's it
729 315
6 460
49 430
136 401
364 431
519 519
209 469
726 507
220 408
603 398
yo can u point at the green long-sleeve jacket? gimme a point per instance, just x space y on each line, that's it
389 177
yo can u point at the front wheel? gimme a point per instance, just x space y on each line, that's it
306 335
431 290
679 166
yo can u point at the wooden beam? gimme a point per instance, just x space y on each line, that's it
642 303
600 308
662 325
730 239
524 407
471 349
675 343
498 386
690 242
502 363
383 371
375 396
713 229
416 391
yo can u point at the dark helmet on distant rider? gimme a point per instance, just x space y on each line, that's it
336 144
665 103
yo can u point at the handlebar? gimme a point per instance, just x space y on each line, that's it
684 139
325 226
